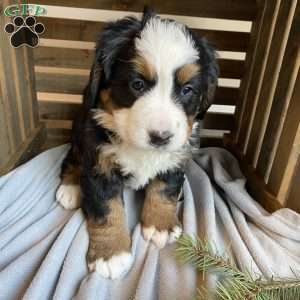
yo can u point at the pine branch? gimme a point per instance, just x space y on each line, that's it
234 284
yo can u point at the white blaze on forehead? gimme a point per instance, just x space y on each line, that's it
166 45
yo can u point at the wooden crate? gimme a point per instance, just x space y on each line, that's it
257 102
266 135
21 132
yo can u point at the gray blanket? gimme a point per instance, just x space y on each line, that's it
43 246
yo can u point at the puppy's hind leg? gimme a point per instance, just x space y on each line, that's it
69 194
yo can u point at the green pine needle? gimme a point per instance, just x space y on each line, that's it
233 284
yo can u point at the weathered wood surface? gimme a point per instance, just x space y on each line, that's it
18 104
266 133
88 31
227 9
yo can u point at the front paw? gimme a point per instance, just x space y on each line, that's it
109 250
68 195
161 237
114 267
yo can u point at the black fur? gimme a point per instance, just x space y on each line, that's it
209 73
112 70
97 190
174 180
115 37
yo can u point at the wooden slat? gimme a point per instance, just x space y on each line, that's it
79 58
6 130
59 83
8 88
221 99
19 87
75 84
5 148
77 99
271 75
268 115
60 137
77 30
18 119
281 101
58 111
255 185
30 80
65 58
258 60
218 121
293 198
226 96
68 111
54 140
66 44
249 66
59 132
27 150
231 68
59 125
285 161
227 9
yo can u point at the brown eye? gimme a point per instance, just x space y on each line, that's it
138 85
187 90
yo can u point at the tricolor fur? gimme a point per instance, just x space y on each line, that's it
151 83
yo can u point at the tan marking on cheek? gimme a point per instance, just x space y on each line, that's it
107 102
159 211
111 236
187 72
143 67
105 119
191 120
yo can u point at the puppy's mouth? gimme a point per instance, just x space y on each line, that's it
151 140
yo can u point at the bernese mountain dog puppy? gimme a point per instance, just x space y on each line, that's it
151 83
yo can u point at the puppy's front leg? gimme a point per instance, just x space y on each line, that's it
109 246
159 219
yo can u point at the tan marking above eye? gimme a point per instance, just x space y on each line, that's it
143 67
187 72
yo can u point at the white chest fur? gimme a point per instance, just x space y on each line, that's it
142 165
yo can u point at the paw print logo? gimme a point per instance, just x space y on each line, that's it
24 31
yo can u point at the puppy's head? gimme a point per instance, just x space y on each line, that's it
152 80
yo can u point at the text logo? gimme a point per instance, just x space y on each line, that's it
24 10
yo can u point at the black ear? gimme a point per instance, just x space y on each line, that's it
91 93
113 38
209 75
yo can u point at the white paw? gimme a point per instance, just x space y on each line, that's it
115 267
68 196
161 238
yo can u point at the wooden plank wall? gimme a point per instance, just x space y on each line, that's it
266 134
19 120
66 51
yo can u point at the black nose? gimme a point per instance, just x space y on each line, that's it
158 138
